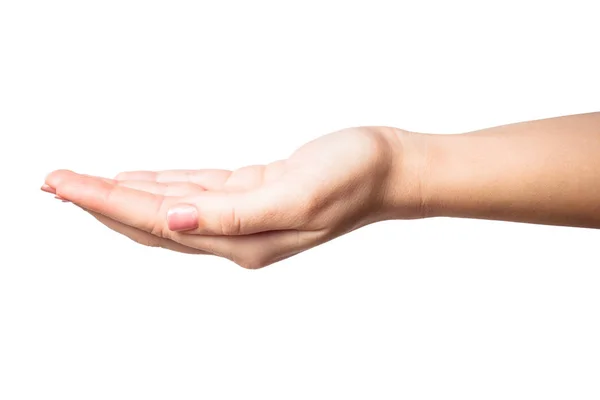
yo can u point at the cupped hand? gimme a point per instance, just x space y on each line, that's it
260 214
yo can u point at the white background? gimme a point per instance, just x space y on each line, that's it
430 309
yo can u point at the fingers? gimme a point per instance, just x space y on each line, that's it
177 189
139 209
238 213
48 189
251 252
235 203
142 237
138 215
271 207
244 178
209 179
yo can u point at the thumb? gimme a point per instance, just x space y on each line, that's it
236 213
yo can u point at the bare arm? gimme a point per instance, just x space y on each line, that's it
545 171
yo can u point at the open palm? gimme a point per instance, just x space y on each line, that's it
255 215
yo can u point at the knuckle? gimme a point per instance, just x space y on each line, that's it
159 230
230 223
158 226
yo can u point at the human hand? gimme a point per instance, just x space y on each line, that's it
258 215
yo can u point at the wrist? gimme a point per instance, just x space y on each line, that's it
407 188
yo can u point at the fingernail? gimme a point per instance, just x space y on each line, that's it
48 189
62 198
182 218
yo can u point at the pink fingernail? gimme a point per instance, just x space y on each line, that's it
62 198
48 189
182 218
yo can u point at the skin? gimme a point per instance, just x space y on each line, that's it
544 171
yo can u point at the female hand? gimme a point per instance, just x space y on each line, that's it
261 214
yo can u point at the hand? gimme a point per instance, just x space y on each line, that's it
258 215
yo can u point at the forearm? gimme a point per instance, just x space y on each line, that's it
544 171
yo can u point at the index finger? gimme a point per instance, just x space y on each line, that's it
140 209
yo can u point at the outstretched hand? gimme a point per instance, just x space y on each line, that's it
261 214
